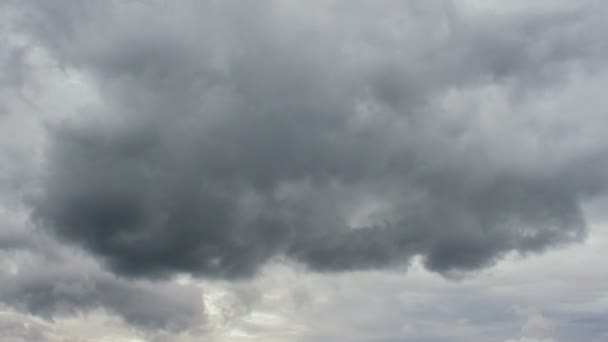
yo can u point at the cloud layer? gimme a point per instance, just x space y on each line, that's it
208 170
342 135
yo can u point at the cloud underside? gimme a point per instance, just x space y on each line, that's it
341 136
151 149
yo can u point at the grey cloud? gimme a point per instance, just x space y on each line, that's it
52 290
14 328
39 276
232 134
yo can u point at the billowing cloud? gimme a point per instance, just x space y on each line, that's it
343 135
536 328
39 276
152 152
57 292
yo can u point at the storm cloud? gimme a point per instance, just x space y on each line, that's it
59 291
41 277
343 135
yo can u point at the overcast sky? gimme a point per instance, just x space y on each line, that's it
282 170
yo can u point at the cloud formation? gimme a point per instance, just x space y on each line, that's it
343 135
38 276
214 138
56 292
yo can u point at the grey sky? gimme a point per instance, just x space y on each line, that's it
328 170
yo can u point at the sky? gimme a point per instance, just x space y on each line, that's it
282 170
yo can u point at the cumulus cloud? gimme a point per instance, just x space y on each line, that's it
537 325
537 328
59 292
213 138
343 135
14 328
39 276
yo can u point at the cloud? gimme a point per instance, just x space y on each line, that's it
57 292
343 136
536 328
217 138
39 276
52 291
14 328
536 325
525 339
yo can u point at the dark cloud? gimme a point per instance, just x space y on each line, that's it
336 134
41 277
52 290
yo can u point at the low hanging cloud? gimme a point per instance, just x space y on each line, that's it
343 135
59 292
41 277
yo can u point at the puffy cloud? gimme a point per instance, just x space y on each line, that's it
39 276
58 292
536 325
16 328
343 135
536 328
213 138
